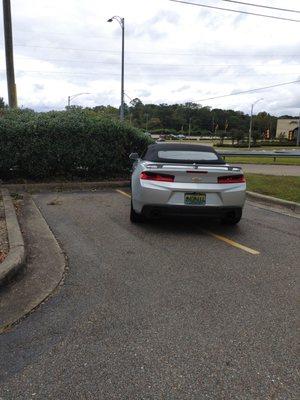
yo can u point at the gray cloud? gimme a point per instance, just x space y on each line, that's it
181 89
165 16
173 54
144 93
38 87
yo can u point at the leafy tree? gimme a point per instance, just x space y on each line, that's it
154 123
204 120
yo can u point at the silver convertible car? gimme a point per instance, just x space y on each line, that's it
185 179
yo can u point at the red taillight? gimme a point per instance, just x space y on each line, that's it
231 179
152 176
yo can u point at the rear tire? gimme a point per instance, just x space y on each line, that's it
232 219
135 217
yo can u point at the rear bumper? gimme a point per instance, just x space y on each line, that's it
167 195
152 211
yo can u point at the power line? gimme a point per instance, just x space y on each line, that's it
248 91
236 11
160 64
159 53
157 74
261 6
39 33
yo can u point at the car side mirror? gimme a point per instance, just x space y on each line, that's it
134 156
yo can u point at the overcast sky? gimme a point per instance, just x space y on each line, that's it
174 53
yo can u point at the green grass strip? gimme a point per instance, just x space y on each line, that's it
264 160
282 187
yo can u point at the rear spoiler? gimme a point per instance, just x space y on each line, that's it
195 166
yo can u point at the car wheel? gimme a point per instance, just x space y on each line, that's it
135 217
232 218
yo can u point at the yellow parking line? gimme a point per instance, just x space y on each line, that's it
123 193
219 237
233 243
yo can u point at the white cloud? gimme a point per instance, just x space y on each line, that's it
174 53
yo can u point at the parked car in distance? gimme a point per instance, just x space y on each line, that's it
185 179
162 138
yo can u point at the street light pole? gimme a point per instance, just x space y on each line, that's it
251 122
298 133
147 119
190 125
250 128
73 97
122 25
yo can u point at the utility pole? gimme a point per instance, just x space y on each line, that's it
122 72
9 53
190 124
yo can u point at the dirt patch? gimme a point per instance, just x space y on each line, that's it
54 202
3 233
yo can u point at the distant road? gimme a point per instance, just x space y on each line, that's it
291 170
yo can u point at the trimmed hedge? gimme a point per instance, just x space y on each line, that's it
163 131
65 144
279 143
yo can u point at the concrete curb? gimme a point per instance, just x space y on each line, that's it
269 200
60 186
46 266
16 257
98 185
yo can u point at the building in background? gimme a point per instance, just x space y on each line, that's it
287 128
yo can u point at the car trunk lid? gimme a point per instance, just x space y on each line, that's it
193 173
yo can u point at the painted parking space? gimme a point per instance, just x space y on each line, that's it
222 238
159 310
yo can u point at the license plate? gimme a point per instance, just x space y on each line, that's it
195 199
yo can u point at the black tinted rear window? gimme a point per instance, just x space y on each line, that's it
182 153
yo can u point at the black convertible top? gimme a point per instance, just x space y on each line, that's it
154 150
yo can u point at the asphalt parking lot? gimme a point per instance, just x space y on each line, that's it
162 310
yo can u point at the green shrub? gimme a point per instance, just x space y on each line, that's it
163 131
237 145
280 143
68 144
